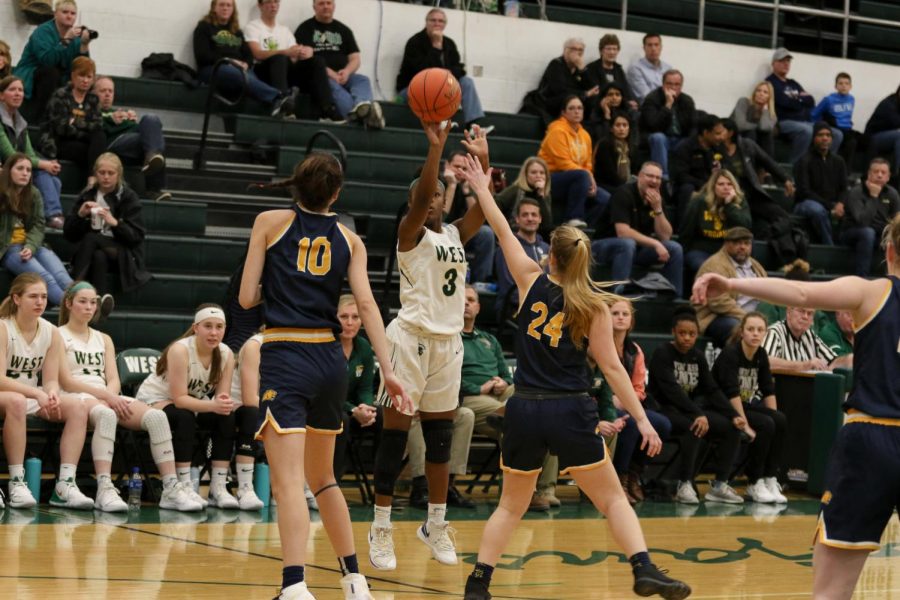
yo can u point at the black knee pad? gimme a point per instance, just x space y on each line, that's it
389 460
438 434
246 417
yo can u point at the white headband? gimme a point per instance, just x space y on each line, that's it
208 313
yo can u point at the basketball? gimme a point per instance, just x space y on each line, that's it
434 95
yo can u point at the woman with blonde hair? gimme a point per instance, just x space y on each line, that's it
564 318
5 60
107 228
532 182
863 470
716 208
755 116
30 351
88 370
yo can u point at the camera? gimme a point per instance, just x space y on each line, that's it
91 33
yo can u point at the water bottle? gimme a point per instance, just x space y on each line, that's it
33 477
261 484
710 354
511 8
195 479
135 487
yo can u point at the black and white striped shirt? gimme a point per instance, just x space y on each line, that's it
781 343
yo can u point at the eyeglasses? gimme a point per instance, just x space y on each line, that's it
436 20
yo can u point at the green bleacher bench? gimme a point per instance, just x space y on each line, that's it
142 329
561 14
164 217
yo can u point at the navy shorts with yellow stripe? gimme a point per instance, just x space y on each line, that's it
562 425
862 486
302 387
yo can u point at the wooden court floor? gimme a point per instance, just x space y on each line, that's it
722 551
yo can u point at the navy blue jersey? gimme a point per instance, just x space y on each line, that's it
876 360
304 273
547 358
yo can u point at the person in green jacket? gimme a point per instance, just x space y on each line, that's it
47 58
716 208
837 332
22 229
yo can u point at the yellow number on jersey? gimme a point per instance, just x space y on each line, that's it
314 257
553 329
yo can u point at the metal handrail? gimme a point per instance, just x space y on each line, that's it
341 149
214 95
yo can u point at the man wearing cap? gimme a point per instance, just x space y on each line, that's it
721 314
821 177
793 107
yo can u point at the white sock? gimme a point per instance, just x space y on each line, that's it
66 471
170 480
17 472
184 474
245 474
104 479
382 516
218 476
436 513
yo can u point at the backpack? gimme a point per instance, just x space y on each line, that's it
36 11
788 242
164 66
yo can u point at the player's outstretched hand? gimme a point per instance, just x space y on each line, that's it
436 132
400 400
472 173
476 144
651 442
709 286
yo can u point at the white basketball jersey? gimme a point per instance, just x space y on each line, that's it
86 361
23 360
236 378
432 283
156 387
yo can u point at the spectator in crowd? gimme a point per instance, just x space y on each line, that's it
14 138
837 110
605 70
871 205
566 148
46 61
5 60
646 74
745 159
22 247
628 460
793 106
528 223
564 77
718 318
680 381
637 232
192 385
532 182
107 228
883 129
742 373
218 35
135 140
431 48
334 42
838 332
73 128
610 106
718 207
792 345
667 117
821 184
695 158
458 199
615 155
755 116
360 414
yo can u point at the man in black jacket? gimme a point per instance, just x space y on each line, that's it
871 205
695 158
431 48
883 129
564 76
667 117
821 184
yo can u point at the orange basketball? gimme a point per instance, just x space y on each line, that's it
434 95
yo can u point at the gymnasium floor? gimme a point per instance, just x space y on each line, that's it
722 551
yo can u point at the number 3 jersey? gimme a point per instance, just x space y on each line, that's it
24 361
86 360
432 284
304 273
547 358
